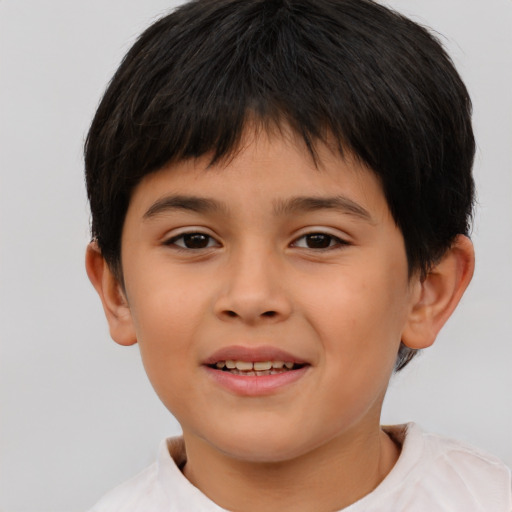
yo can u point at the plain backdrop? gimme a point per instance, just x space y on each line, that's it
77 415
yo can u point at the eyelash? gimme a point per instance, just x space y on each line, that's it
334 241
173 241
338 242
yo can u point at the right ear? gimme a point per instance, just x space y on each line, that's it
112 296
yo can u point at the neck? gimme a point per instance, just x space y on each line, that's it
330 477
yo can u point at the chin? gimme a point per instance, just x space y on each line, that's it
272 445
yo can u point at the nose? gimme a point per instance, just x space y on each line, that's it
253 289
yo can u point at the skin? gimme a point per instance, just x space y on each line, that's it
340 300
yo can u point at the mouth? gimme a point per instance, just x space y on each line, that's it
255 371
255 368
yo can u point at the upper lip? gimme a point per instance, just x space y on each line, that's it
254 354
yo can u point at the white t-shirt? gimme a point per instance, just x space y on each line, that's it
432 474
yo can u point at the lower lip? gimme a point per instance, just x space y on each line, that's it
255 386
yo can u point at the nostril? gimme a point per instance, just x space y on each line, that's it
250 315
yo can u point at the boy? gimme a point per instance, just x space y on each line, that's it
281 194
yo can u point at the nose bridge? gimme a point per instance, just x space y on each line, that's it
253 285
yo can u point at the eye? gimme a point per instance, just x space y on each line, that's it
193 241
318 241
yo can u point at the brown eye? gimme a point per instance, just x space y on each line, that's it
196 241
318 241
193 241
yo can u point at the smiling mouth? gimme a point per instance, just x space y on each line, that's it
256 368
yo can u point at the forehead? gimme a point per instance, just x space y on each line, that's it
275 171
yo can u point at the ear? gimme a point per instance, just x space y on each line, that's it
112 296
435 297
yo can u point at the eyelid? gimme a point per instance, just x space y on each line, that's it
170 238
341 239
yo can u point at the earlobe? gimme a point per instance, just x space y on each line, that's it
436 296
115 305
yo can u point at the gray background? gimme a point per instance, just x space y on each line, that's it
77 414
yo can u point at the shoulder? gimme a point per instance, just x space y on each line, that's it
160 487
132 495
462 459
452 475
143 492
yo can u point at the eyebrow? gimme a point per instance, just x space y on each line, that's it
310 204
294 205
186 203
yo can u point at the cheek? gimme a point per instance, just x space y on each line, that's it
165 331
362 314
167 315
359 327
165 303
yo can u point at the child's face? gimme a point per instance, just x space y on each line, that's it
267 258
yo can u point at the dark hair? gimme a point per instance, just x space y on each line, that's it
377 82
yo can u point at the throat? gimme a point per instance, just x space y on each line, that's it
329 478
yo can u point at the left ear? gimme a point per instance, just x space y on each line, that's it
438 294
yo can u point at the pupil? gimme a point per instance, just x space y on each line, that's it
196 241
318 241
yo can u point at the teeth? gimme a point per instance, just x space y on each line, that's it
243 365
254 373
262 367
